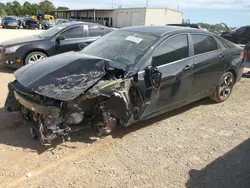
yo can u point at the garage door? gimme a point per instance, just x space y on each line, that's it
123 19
135 19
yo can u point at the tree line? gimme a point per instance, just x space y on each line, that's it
14 8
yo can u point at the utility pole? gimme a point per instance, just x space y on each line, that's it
112 3
147 3
178 7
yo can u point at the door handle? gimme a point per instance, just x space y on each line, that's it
187 67
222 56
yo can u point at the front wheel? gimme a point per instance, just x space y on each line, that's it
34 57
224 88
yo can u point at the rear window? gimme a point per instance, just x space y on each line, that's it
226 42
9 18
203 44
96 31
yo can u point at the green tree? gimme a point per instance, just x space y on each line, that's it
27 8
46 5
34 8
2 12
8 9
62 8
16 8
2 5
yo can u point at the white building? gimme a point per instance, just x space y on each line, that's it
146 16
124 17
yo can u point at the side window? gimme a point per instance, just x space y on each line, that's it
106 31
203 44
96 31
75 32
171 50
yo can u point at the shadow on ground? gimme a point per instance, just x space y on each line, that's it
231 170
13 131
5 69
126 130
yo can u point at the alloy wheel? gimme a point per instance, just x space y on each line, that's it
36 57
226 87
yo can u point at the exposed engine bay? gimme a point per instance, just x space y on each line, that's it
102 99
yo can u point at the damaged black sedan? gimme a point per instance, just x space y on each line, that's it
128 75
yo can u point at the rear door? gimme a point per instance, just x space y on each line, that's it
210 60
73 37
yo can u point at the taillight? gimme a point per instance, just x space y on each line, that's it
244 54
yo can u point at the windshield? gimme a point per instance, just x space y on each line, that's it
52 31
123 47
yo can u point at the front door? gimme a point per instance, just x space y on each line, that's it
70 39
172 60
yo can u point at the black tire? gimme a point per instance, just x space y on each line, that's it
27 58
224 88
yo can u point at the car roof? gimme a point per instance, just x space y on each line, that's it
78 23
9 17
161 30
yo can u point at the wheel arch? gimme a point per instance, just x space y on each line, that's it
33 50
234 73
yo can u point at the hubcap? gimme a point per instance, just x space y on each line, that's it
226 87
36 57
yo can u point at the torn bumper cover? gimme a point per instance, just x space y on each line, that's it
43 110
83 93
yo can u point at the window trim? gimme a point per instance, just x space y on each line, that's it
165 40
96 26
72 28
147 58
218 45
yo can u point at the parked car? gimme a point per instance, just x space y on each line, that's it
59 39
30 23
0 20
21 20
126 76
246 53
60 21
238 35
47 24
10 22
196 26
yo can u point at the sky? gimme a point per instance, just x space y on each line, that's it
234 13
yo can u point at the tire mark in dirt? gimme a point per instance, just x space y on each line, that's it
97 146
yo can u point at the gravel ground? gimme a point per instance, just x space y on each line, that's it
200 145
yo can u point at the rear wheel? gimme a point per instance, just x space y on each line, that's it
34 57
224 88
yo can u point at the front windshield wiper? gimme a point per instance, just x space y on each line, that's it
40 36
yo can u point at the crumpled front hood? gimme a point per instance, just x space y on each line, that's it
62 77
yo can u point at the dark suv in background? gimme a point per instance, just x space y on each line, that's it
238 36
30 23
11 22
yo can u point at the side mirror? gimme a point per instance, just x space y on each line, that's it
153 76
82 45
60 38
